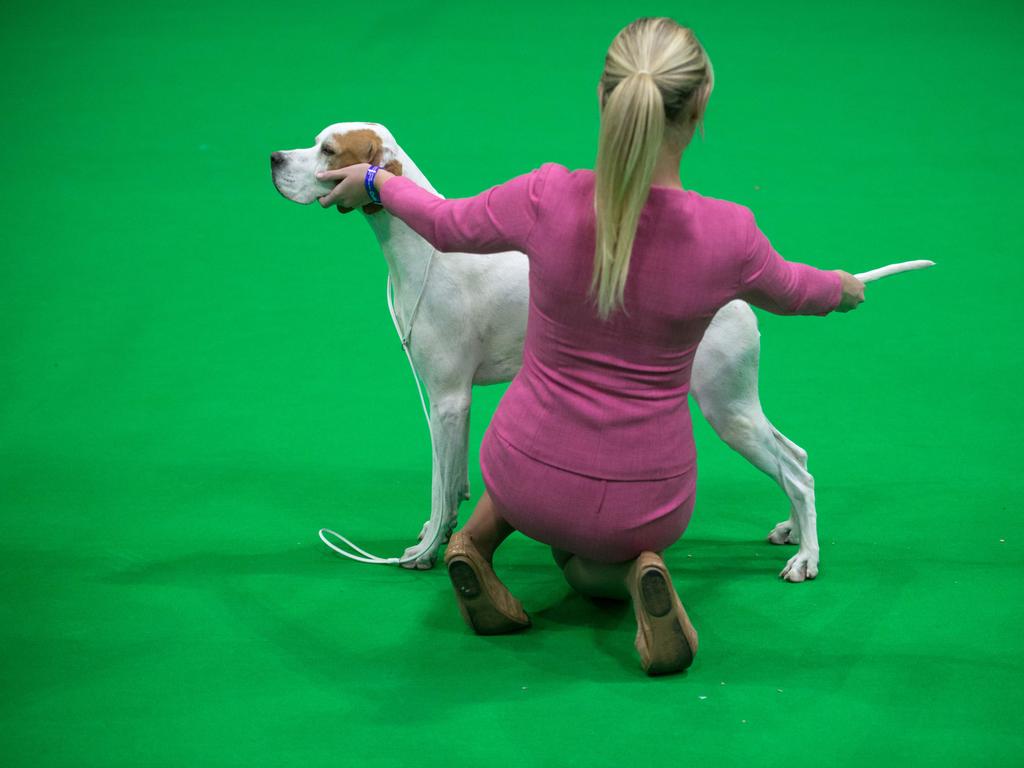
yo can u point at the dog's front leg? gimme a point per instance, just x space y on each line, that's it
449 429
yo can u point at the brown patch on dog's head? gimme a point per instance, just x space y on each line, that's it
360 146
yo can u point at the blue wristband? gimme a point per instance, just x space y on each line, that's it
371 173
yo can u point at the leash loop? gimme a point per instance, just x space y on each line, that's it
404 337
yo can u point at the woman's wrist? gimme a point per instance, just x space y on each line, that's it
373 180
380 178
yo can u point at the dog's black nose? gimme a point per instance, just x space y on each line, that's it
276 158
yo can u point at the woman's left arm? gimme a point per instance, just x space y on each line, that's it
498 219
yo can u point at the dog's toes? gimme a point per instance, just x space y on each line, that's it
419 558
419 564
793 575
784 533
778 536
801 567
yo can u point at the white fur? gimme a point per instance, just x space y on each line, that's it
470 328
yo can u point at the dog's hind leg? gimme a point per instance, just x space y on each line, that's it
449 429
724 384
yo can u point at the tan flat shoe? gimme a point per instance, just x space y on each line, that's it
485 603
665 638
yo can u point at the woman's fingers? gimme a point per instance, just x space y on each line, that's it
348 191
332 197
336 175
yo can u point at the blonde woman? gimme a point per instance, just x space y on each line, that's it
591 449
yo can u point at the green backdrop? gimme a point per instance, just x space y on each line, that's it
197 374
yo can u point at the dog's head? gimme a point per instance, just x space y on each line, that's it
294 170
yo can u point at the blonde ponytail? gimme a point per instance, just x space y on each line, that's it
653 69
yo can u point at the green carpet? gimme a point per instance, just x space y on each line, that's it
196 375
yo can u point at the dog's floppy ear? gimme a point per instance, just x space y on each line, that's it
360 146
394 166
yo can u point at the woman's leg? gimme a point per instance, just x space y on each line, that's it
486 527
484 601
596 579
670 504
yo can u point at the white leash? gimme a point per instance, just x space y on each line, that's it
404 338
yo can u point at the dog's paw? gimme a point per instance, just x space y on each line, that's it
785 532
448 528
419 557
423 556
803 566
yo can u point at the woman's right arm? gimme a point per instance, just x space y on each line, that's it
790 287
501 218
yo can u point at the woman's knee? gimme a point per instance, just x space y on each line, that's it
561 556
598 579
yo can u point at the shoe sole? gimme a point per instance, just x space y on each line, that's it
476 606
668 649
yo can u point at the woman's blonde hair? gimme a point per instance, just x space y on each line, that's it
656 77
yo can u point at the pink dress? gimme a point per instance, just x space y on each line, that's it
591 448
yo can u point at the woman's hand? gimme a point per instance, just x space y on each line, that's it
350 191
853 292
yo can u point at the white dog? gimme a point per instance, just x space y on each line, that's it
470 319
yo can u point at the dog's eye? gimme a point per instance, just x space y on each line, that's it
326 150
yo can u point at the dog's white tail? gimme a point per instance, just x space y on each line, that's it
892 269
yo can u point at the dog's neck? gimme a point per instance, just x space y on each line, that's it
404 250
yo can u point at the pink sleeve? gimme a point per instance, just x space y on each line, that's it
498 219
784 287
